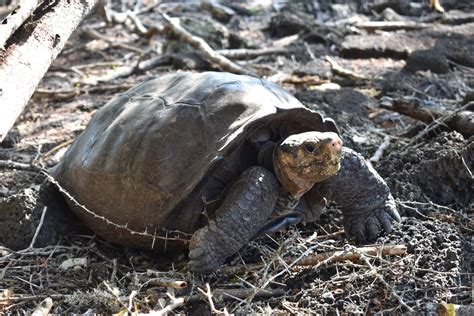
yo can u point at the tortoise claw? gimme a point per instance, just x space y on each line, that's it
368 226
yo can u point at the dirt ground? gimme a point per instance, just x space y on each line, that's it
332 60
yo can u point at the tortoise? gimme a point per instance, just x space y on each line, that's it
207 161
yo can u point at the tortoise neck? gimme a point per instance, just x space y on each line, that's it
266 159
265 155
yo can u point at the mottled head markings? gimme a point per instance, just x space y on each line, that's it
303 159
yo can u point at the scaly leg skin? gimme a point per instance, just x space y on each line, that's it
245 209
363 196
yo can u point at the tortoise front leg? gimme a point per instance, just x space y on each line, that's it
364 197
248 204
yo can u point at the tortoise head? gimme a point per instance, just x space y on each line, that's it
303 159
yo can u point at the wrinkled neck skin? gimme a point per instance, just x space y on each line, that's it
266 158
295 188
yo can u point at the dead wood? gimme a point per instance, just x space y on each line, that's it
372 26
128 18
218 10
228 294
15 19
67 94
246 53
382 280
332 256
461 120
18 166
153 278
208 295
44 307
207 52
175 303
30 52
112 41
354 254
125 71
338 70
434 4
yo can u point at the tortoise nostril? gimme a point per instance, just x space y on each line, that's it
336 144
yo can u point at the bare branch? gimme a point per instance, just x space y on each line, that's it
204 48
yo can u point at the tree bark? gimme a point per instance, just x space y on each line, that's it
15 19
30 51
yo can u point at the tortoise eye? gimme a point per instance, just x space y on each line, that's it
310 148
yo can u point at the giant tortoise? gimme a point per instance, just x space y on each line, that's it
207 161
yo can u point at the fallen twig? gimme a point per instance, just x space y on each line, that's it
175 302
126 71
67 94
342 71
354 254
208 53
434 4
461 120
363 256
390 25
56 148
40 224
112 41
247 53
160 281
44 307
208 295
379 152
117 297
229 294
333 256
18 165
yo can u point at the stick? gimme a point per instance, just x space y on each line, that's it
112 41
208 295
246 53
126 71
379 152
175 302
164 282
342 71
381 279
333 256
40 224
434 4
117 297
18 165
30 53
44 307
66 94
355 254
15 19
390 25
204 48
461 120
229 294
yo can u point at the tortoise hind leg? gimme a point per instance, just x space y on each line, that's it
245 209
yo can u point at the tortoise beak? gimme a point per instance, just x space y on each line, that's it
333 145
